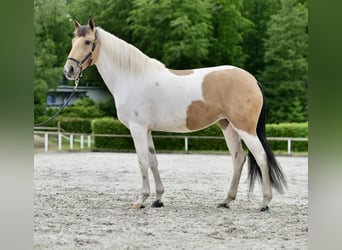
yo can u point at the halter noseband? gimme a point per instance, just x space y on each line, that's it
80 63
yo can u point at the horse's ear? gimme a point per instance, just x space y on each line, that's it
76 25
91 23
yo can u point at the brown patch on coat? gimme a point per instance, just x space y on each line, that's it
200 115
181 72
233 94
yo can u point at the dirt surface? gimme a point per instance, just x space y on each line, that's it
84 201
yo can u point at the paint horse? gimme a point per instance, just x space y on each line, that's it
150 97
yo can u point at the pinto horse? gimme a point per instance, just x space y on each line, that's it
150 97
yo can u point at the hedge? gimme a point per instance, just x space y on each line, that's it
82 112
113 126
288 130
193 144
74 119
76 125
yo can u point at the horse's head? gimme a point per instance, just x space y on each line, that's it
84 50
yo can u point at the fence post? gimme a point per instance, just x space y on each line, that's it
81 141
186 143
89 141
289 146
71 141
59 126
46 142
59 141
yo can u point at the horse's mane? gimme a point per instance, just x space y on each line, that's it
125 55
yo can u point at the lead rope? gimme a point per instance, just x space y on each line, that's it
65 103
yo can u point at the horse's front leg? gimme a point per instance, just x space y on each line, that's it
155 172
140 138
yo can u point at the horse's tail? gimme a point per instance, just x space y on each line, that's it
277 177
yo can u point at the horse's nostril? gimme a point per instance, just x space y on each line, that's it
71 70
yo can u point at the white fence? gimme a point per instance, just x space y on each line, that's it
85 140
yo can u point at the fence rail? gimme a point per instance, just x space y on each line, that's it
85 140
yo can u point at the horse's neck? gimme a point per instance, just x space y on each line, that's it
109 72
120 64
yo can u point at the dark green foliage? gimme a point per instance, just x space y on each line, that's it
286 101
44 118
83 112
286 72
259 13
229 26
193 143
113 126
286 44
175 32
288 130
269 38
76 125
40 90
51 35
108 107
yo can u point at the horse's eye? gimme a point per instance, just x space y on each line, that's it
87 42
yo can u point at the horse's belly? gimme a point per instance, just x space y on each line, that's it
169 120
191 117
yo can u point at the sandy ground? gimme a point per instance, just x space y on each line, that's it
84 201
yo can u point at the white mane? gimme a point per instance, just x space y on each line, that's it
125 55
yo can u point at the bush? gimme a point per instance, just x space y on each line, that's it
40 119
193 144
113 126
288 130
82 112
76 125
108 107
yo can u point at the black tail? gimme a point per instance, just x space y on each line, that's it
277 177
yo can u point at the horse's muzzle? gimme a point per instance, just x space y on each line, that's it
70 71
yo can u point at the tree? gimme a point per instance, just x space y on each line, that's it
175 32
229 27
259 13
189 34
287 44
266 37
286 71
51 33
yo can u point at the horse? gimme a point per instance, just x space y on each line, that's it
151 97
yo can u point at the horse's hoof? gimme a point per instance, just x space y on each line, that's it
138 206
222 205
264 209
157 203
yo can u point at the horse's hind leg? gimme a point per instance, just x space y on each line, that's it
255 147
154 168
233 141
